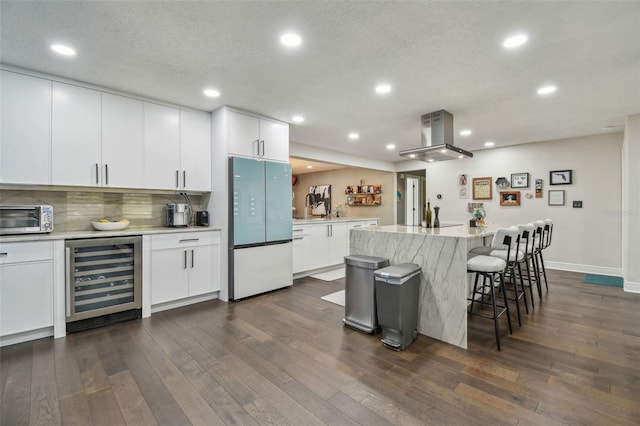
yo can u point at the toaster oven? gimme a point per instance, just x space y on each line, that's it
25 219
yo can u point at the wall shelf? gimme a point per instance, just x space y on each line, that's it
364 195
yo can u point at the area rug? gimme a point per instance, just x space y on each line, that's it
337 297
603 280
332 275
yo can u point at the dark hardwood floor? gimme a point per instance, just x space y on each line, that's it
285 359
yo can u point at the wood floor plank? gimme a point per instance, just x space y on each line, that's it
68 377
133 407
16 398
357 411
104 408
74 409
44 395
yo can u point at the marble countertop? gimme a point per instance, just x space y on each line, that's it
332 220
141 230
459 231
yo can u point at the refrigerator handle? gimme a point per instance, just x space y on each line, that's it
67 279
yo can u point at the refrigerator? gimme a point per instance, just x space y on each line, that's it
260 227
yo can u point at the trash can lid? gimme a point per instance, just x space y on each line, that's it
397 274
363 261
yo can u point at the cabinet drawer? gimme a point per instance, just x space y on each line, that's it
172 240
25 251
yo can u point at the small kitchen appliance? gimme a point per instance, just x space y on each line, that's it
25 219
178 214
202 218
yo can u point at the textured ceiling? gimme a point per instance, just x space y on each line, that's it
436 55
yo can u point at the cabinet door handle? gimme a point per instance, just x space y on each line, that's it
177 178
4 253
192 256
185 259
184 178
97 174
187 240
298 238
106 174
257 145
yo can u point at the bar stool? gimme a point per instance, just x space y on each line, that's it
527 241
488 267
540 237
512 255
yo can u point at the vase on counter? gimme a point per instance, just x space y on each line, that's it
436 221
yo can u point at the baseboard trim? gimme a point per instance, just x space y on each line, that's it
587 269
26 336
632 287
303 274
183 302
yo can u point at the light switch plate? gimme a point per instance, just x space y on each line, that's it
577 204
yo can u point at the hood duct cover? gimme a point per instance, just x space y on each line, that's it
437 140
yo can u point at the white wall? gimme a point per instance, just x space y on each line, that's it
630 211
587 239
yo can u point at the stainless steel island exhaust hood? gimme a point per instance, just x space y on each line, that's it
437 140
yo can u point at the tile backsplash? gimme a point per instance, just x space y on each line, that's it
74 210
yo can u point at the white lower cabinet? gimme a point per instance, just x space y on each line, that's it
26 287
183 265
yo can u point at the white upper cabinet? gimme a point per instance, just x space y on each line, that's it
257 137
195 150
25 134
76 136
161 147
122 142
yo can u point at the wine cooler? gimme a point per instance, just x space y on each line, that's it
103 281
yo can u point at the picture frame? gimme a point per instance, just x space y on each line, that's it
510 198
560 177
556 197
482 188
519 180
320 200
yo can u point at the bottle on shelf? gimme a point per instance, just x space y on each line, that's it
428 215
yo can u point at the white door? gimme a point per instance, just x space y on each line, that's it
412 201
25 129
274 137
338 242
122 141
76 136
169 275
195 150
316 254
161 147
244 134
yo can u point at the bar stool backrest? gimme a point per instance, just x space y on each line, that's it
548 231
539 224
506 239
527 237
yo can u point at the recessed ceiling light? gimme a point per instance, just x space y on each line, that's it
383 88
309 167
63 50
465 132
391 146
489 143
412 156
515 41
297 119
460 156
431 160
212 93
353 136
290 40
547 90
444 151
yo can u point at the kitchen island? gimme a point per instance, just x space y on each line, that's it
442 256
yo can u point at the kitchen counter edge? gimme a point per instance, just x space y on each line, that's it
332 220
67 235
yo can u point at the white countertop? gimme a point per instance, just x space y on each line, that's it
459 231
312 220
141 230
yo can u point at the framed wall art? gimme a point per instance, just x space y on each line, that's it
538 188
560 177
482 188
520 180
556 197
320 199
510 198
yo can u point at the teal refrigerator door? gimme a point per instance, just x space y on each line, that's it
248 201
278 201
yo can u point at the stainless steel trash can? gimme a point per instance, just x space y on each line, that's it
360 296
397 292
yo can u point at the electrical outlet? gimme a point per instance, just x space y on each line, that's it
577 204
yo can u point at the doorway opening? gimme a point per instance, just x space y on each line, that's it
412 190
